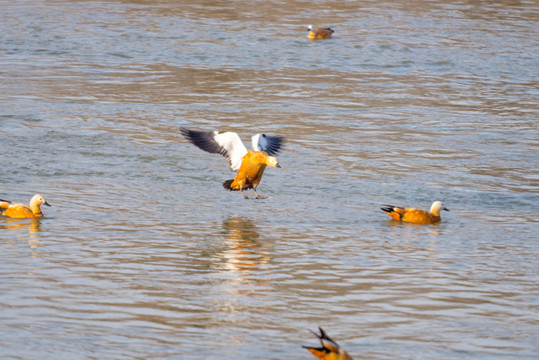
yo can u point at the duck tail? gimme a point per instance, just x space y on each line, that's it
388 208
227 184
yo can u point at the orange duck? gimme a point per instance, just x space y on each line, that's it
250 164
330 350
21 211
319 33
416 216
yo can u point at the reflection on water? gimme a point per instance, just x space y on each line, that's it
245 250
18 230
238 264
33 226
433 229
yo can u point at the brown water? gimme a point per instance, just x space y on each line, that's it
143 255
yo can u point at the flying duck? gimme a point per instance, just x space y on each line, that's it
250 164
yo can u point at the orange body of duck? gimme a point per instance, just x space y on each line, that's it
329 350
319 33
416 216
250 173
21 211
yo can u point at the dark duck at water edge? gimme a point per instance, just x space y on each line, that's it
329 350
318 33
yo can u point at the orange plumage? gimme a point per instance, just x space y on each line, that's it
416 216
319 33
16 210
250 173
330 350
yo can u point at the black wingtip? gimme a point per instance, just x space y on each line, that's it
189 135
274 144
320 336
185 132
324 335
388 208
203 140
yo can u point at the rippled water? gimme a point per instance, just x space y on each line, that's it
143 255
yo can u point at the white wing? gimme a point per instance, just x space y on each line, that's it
227 144
269 144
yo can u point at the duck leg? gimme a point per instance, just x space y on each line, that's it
244 195
258 196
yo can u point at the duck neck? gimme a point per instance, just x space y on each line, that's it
36 209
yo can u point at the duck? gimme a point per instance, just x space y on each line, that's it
330 350
416 216
319 33
21 211
250 164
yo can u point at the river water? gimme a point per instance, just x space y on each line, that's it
143 254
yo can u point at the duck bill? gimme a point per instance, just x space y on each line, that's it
277 165
46 203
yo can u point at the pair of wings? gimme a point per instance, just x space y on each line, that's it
329 350
230 145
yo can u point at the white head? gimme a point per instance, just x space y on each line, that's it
272 161
310 28
38 200
437 206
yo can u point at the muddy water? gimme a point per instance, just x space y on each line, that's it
143 255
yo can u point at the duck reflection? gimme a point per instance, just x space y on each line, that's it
32 224
433 229
244 250
240 267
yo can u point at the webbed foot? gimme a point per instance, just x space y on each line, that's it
258 196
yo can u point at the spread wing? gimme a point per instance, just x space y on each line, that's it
226 143
329 350
327 342
269 144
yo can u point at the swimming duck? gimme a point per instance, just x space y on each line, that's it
250 164
416 216
330 350
319 33
15 210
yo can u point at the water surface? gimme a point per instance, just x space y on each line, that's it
143 255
